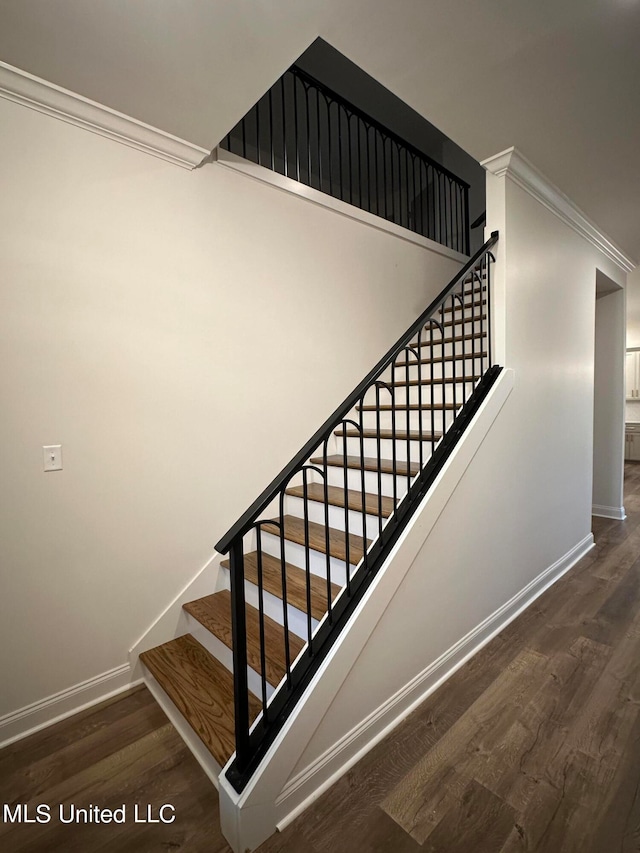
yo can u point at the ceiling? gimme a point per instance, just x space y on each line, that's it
559 79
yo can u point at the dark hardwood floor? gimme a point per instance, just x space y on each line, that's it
534 745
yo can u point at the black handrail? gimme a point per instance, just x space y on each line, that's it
437 356
247 519
307 131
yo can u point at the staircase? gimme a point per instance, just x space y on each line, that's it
303 554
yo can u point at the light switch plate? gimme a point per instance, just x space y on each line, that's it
52 454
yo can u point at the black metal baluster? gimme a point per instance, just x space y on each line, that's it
489 258
408 351
347 543
258 148
378 449
359 126
350 141
394 451
420 401
453 368
319 141
296 86
327 543
467 227
376 166
308 123
285 153
307 555
329 145
239 635
463 372
433 406
263 663
340 139
283 579
363 494
271 140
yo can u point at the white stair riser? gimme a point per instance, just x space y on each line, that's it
386 447
373 484
412 422
463 367
297 620
412 392
470 326
223 653
295 554
316 512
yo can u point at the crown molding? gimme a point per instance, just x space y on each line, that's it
37 94
514 165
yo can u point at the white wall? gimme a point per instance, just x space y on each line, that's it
523 505
181 334
608 405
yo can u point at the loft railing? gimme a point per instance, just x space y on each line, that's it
418 358
304 130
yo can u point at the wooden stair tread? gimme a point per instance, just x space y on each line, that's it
293 529
414 435
443 358
336 497
295 579
427 342
459 321
446 380
201 688
412 407
478 303
214 612
370 464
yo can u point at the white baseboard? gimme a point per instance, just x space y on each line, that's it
615 512
30 719
340 757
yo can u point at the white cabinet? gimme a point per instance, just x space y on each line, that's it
632 375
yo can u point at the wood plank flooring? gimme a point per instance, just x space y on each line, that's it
532 747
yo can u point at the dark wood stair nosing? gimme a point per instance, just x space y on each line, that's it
293 531
295 580
213 612
353 501
370 464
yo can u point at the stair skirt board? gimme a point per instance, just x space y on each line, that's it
52 709
339 758
273 796
210 578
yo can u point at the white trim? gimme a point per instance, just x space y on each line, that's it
281 182
30 719
522 172
37 94
164 628
363 737
616 512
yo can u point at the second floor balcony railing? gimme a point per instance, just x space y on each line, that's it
304 130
